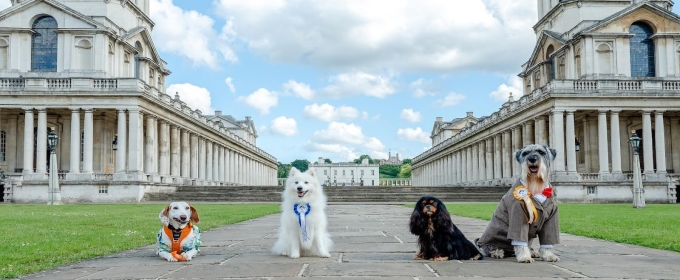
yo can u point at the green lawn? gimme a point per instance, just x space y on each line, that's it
657 226
38 237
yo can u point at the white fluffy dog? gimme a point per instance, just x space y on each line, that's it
303 218
179 238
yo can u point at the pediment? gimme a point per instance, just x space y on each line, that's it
661 20
544 41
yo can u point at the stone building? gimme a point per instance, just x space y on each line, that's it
600 70
89 71
444 130
347 173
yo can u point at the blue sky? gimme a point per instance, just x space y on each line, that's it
338 79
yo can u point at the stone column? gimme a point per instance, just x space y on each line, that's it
482 160
209 160
516 143
28 141
134 137
88 141
474 152
541 130
602 143
571 143
185 160
74 166
585 145
497 157
194 174
465 161
227 167
164 149
528 130
647 143
558 134
675 142
216 163
149 152
660 140
489 158
616 142
41 142
508 159
121 139
201 158
221 167
174 152
459 167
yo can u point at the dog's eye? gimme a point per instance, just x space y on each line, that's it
296 182
187 208
541 153
306 182
175 207
525 154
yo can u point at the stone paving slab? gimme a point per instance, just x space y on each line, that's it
375 245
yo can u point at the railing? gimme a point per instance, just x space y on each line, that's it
395 182
671 85
103 176
590 176
12 83
58 83
105 83
630 85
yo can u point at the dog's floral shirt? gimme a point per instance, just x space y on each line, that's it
193 244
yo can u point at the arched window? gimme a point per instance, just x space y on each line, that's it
4 54
3 146
111 60
641 51
551 63
138 69
577 63
561 68
44 45
678 58
126 65
604 58
84 54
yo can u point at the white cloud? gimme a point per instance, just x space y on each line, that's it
284 126
262 99
230 84
347 140
403 35
5 4
410 115
451 99
328 113
335 152
298 89
416 135
196 97
188 33
513 84
358 83
422 87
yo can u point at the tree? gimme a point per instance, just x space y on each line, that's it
300 164
370 161
389 171
283 170
327 160
404 171
406 161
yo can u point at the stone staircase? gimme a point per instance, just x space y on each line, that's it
336 194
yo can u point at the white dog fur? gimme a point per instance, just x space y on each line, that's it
303 188
179 215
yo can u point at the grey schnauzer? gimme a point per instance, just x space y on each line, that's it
528 210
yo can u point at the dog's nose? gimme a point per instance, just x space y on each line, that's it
532 159
299 189
183 217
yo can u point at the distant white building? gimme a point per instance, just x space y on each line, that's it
90 72
347 173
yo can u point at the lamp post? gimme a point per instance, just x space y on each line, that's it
53 186
638 191
577 144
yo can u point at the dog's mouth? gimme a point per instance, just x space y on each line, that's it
301 193
533 168
180 221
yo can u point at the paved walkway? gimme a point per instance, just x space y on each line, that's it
372 242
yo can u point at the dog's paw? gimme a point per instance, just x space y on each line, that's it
187 256
325 254
523 254
547 255
294 255
497 254
535 254
476 257
439 259
419 256
171 259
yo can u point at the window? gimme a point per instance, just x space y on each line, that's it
561 68
3 145
104 189
325 172
577 62
82 144
4 53
551 64
362 173
343 173
44 45
84 54
641 51
372 172
126 65
335 172
591 190
138 68
152 77
604 58
111 59
351 172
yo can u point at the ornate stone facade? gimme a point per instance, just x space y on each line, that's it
600 71
90 72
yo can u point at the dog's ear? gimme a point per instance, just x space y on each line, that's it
163 216
553 152
311 172
194 215
293 171
417 224
518 156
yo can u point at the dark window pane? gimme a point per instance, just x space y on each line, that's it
641 51
44 45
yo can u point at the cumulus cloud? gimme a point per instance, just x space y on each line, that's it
262 100
513 84
230 84
422 88
359 83
298 89
410 115
284 126
451 99
341 152
190 34
328 113
196 97
411 134
346 140
403 35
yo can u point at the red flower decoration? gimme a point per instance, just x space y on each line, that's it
547 192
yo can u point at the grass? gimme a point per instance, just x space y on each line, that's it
39 237
655 226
